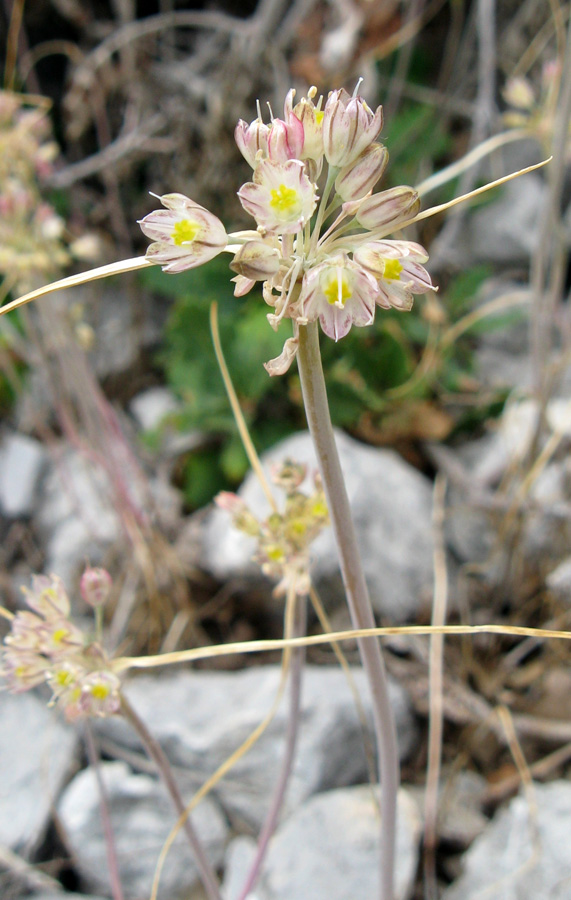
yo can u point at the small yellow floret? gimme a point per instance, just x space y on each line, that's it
59 635
285 201
100 691
184 232
64 678
332 293
275 553
393 268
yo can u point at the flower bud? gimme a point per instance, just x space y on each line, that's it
251 139
242 518
285 139
256 260
349 126
388 208
95 586
311 118
359 178
288 475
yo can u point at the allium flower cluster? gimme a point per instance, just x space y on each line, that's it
31 245
321 246
44 646
284 539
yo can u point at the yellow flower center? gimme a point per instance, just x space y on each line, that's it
59 635
64 678
319 116
275 554
100 691
393 268
184 232
337 290
319 509
285 201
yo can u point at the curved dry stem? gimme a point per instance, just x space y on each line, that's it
124 663
116 268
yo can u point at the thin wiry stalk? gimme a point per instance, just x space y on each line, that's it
296 672
158 756
435 694
110 848
319 421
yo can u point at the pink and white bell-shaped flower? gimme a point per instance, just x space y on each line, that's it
285 139
185 234
340 294
311 117
252 140
281 198
397 267
348 127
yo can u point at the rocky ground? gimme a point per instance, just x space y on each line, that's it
109 495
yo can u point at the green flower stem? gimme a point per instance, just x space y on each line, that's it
319 421
156 753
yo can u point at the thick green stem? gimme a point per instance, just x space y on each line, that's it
319 421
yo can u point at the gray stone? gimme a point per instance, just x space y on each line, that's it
151 407
75 516
392 509
60 895
329 848
22 460
460 816
559 580
200 718
142 817
37 753
507 230
512 860
122 327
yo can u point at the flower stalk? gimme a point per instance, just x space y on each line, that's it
156 753
320 427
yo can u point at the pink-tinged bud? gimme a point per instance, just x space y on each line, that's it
252 140
349 126
95 586
289 475
387 210
242 518
285 140
186 235
281 363
359 178
257 261
311 118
